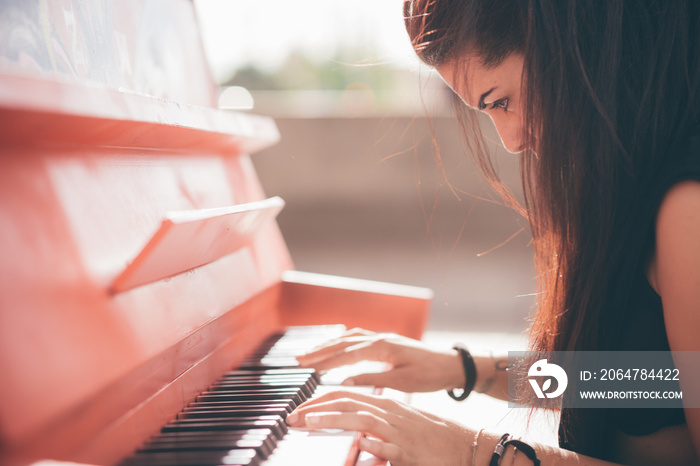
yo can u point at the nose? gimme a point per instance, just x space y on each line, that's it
509 129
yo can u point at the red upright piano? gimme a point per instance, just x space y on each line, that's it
140 259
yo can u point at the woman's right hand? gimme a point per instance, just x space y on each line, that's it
413 367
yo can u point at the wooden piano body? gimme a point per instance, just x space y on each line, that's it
139 256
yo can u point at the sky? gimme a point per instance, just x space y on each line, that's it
264 32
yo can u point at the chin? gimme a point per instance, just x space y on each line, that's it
516 150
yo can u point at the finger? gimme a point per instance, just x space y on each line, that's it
328 349
388 379
400 378
361 421
365 351
382 450
343 405
357 331
344 394
353 336
365 402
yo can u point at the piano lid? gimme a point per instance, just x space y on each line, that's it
138 61
150 47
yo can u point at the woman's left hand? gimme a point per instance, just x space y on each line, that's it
396 432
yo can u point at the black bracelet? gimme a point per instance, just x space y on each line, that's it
498 451
469 373
526 449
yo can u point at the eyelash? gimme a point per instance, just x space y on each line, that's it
502 103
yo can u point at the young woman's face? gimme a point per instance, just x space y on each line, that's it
494 91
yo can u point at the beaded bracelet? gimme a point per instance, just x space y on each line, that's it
469 373
498 451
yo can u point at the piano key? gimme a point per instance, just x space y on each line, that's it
263 447
247 457
262 378
263 371
253 375
272 381
232 413
288 404
283 405
254 434
238 419
264 437
261 391
299 379
276 364
274 423
222 387
294 398
279 429
309 384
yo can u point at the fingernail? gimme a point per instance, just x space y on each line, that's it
313 419
292 418
348 382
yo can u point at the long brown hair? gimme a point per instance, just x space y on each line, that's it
608 87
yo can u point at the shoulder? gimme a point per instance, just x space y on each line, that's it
676 270
678 278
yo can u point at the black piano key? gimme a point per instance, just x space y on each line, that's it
263 447
253 375
288 404
283 392
232 413
269 377
203 435
297 371
272 365
269 380
306 387
295 398
277 404
273 372
276 425
266 436
243 420
239 419
275 379
221 387
247 457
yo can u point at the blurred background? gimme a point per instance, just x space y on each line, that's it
371 161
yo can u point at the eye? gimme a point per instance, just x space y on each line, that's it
501 103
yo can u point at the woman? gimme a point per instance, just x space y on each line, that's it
600 98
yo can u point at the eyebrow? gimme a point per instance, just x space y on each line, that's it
482 105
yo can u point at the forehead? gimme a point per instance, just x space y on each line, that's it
470 79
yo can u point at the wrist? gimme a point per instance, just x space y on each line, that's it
485 372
